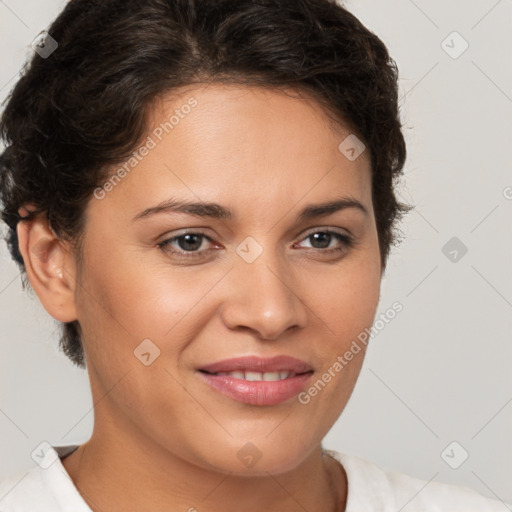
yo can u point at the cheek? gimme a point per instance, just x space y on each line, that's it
346 301
137 301
347 298
125 302
347 309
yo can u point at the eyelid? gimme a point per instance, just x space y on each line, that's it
186 254
323 229
346 238
309 231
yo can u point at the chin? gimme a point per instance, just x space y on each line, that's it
246 458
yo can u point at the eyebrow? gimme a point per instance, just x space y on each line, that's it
217 211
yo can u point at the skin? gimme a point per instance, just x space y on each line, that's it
160 428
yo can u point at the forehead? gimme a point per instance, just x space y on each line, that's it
253 146
248 113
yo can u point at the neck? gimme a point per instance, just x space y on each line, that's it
107 468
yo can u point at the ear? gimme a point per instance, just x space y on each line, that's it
50 267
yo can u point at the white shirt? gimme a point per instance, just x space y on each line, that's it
48 488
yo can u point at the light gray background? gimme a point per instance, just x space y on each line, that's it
440 371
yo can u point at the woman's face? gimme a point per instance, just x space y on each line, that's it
264 281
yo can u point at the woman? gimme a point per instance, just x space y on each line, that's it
202 193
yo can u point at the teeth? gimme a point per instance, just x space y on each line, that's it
252 376
273 375
258 376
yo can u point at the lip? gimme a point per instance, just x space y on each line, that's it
259 364
257 392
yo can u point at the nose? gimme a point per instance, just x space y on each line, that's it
263 297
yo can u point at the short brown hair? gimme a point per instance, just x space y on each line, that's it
83 108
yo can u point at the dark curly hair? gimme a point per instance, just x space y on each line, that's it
79 110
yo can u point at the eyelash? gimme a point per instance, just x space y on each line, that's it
347 243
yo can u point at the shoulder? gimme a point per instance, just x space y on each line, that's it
26 491
46 487
371 488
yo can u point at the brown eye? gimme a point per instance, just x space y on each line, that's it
322 240
186 244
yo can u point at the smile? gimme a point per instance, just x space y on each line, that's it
257 376
257 381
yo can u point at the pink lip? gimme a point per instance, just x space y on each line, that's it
259 364
258 392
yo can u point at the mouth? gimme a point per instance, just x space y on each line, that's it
252 376
258 381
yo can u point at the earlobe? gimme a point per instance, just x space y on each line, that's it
49 266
